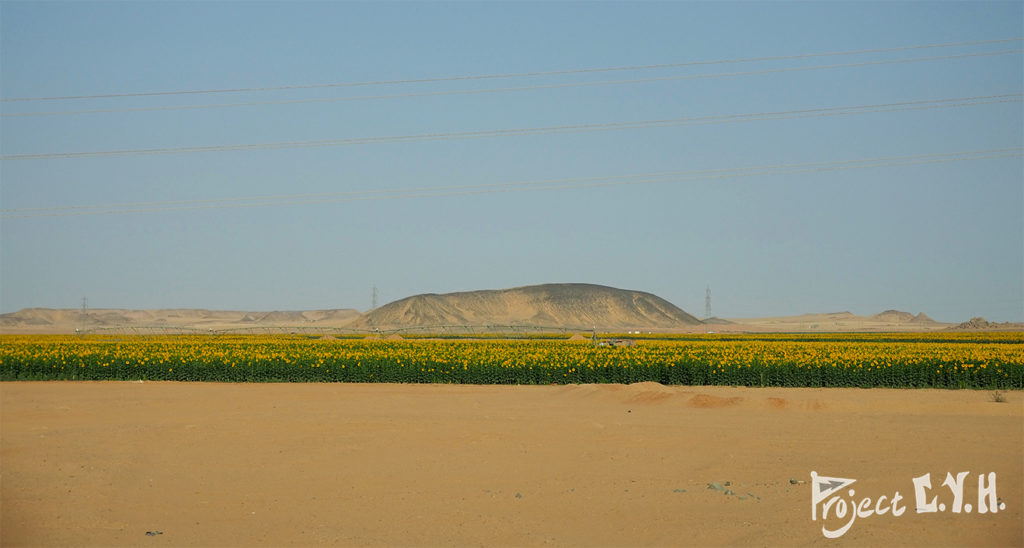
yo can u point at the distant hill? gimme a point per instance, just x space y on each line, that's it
898 316
894 316
979 323
579 307
562 305
888 321
51 320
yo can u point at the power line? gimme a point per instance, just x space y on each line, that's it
515 75
547 130
491 188
512 89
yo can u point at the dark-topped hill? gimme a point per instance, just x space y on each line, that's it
554 305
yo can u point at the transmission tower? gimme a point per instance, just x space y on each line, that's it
85 305
373 306
707 303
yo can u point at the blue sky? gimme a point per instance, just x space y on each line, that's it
945 238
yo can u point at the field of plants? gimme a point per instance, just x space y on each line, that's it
955 360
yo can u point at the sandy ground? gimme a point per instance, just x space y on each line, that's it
100 464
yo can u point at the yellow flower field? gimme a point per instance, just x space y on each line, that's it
955 360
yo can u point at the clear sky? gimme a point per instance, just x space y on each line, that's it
943 237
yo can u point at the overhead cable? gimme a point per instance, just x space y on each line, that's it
515 75
550 184
547 130
508 89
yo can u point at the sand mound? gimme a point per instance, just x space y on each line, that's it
578 338
649 392
647 386
707 401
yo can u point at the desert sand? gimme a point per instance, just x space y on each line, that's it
102 464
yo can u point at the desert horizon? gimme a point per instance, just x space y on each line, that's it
568 307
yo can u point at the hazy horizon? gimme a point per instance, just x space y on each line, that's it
696 313
795 157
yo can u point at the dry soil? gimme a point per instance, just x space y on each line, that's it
102 464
